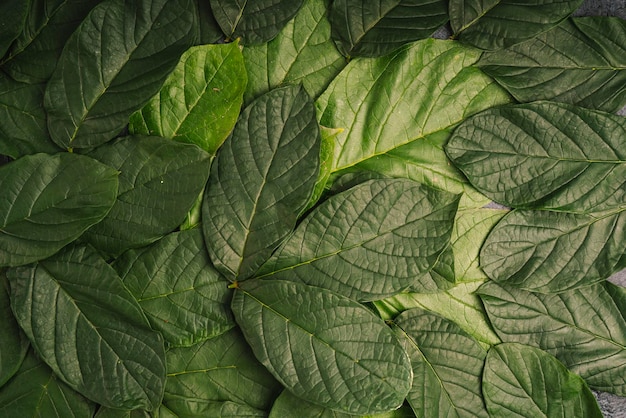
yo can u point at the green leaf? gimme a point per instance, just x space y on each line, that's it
216 371
104 412
261 181
302 52
181 293
33 56
37 392
49 201
125 50
289 405
552 252
447 366
327 149
89 329
584 328
14 342
544 155
372 241
210 31
581 61
375 28
13 15
200 100
323 347
495 24
159 182
193 408
524 381
256 22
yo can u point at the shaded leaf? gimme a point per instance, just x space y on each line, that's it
13 15
210 31
193 408
14 342
287 405
104 412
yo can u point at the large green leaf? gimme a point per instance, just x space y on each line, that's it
581 61
523 381
584 328
301 53
261 181
177 287
323 347
13 15
160 180
494 24
547 251
112 64
217 371
373 28
256 22
14 342
447 366
49 201
544 155
89 329
37 392
33 56
200 100
369 242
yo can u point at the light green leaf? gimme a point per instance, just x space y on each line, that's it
373 28
200 100
14 342
447 366
544 155
49 201
545 251
124 49
302 52
37 392
216 371
13 15
495 24
256 22
327 149
89 329
371 241
523 381
160 180
581 61
584 328
193 408
177 287
323 347
261 181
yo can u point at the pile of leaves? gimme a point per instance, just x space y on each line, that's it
219 208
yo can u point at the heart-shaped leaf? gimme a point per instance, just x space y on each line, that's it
14 342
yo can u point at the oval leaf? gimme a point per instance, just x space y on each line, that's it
372 241
544 155
323 347
14 342
50 200
126 49
261 181
89 329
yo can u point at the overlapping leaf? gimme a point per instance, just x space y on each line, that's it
104 412
288 404
13 15
89 329
210 31
193 408
49 201
112 64
372 241
14 342
261 181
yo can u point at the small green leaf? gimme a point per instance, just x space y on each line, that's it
200 100
523 381
89 329
49 201
13 15
14 342
323 347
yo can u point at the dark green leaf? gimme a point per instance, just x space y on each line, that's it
194 408
210 31
12 19
544 155
112 64
494 24
584 328
256 22
160 180
177 287
49 201
200 100
581 61
289 405
14 342
373 28
447 366
323 347
261 181
104 412
372 241
523 381
89 329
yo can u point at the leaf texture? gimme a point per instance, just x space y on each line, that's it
192 408
288 404
13 15
14 343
